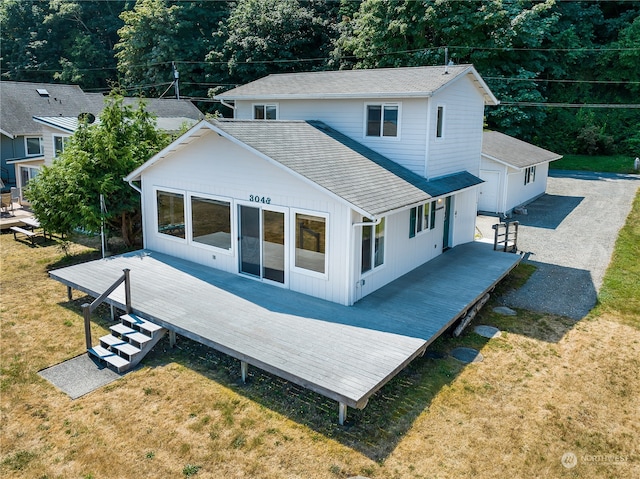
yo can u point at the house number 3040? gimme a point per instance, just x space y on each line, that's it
260 199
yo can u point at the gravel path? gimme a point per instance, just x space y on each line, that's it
569 234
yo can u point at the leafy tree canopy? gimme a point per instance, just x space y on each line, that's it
66 195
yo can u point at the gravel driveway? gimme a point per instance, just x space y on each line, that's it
569 234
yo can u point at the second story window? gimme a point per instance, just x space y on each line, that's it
382 120
440 123
33 145
265 112
59 142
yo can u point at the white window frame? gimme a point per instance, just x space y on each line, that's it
365 128
428 221
293 212
374 268
189 222
441 121
156 226
530 175
26 146
64 138
265 105
30 172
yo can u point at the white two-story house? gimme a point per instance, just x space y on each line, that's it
331 184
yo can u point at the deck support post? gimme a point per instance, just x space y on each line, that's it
244 368
172 339
69 293
342 413
86 312
112 310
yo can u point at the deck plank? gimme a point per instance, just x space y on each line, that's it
344 353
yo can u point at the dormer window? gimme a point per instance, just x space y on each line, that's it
382 120
265 112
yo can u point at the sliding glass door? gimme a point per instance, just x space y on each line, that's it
262 243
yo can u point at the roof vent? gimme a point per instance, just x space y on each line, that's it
43 92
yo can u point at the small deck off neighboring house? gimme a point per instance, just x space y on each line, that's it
345 353
514 172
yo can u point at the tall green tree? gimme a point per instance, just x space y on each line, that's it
66 195
276 36
157 33
67 41
500 38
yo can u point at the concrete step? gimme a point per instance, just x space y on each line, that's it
112 359
139 324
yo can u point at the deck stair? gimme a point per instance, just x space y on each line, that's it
129 342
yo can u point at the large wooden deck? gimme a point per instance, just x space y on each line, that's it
344 353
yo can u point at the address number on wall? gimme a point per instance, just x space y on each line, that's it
260 199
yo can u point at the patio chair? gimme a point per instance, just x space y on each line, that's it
6 203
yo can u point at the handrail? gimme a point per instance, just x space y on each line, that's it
87 308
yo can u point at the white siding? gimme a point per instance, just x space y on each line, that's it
518 193
215 166
348 117
460 147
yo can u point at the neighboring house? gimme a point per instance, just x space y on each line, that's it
362 176
514 172
36 119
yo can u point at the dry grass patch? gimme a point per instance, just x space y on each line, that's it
547 386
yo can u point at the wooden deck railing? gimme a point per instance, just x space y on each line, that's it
506 236
87 308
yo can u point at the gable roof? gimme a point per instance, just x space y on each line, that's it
369 83
350 172
22 101
512 152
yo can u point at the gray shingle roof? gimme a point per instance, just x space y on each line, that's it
371 83
20 102
513 152
370 182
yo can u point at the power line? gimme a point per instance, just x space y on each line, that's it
570 105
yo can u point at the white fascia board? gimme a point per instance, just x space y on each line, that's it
519 168
52 125
173 146
502 162
489 97
26 160
7 134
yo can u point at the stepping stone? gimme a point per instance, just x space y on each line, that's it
467 355
487 331
503 310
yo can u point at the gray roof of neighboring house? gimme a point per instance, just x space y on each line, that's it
347 169
368 83
513 152
20 102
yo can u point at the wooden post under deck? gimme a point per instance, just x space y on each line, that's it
244 368
342 413
86 312
69 293
172 339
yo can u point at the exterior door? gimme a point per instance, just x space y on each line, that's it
488 198
446 241
262 243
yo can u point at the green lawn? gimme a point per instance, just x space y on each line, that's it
611 164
